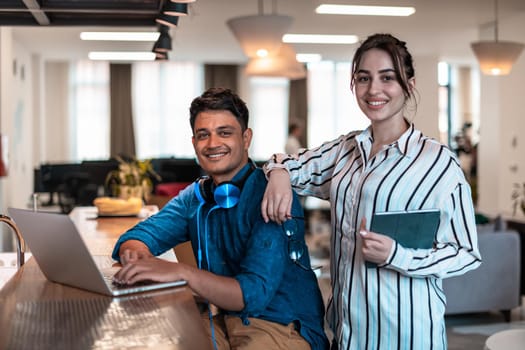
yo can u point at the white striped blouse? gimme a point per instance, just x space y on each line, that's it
401 304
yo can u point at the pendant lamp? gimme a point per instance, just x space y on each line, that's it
161 56
171 21
175 9
260 35
496 57
163 43
283 64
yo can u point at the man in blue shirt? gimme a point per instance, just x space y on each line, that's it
258 274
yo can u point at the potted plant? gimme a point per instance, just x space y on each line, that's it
133 178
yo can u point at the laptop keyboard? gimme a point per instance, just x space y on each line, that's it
103 261
108 274
105 265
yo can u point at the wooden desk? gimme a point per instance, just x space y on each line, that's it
38 314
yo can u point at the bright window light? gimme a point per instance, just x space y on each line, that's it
443 73
122 56
365 10
308 57
120 36
262 53
319 39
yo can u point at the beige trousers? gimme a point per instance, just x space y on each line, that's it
231 334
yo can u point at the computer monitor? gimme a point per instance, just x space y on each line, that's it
177 169
51 177
98 170
54 175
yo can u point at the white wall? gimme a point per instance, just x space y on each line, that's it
502 123
5 112
16 124
56 124
16 121
39 147
427 114
20 130
489 158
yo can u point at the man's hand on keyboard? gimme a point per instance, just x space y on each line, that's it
149 269
131 251
130 256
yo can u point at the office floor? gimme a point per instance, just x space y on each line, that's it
464 332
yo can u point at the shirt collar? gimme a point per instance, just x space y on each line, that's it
242 174
248 167
405 144
408 141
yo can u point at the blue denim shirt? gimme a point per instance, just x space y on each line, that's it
236 242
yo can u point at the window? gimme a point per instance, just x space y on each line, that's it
332 107
444 102
268 115
162 94
89 110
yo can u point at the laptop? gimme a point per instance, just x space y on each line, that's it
63 256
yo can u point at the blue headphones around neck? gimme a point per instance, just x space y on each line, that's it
226 195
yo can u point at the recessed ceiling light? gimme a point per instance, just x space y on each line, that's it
122 55
120 36
308 57
365 10
319 39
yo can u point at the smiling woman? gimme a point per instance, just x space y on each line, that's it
388 167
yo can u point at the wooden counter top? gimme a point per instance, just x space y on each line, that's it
38 314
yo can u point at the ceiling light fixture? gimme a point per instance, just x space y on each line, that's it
161 56
163 44
121 56
260 35
183 1
496 57
365 10
319 39
283 64
171 21
120 36
175 9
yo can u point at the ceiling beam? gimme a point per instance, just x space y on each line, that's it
36 11
80 10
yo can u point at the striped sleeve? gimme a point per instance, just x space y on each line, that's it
311 171
456 250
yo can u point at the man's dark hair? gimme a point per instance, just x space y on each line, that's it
220 99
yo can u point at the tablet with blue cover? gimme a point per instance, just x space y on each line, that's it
412 229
